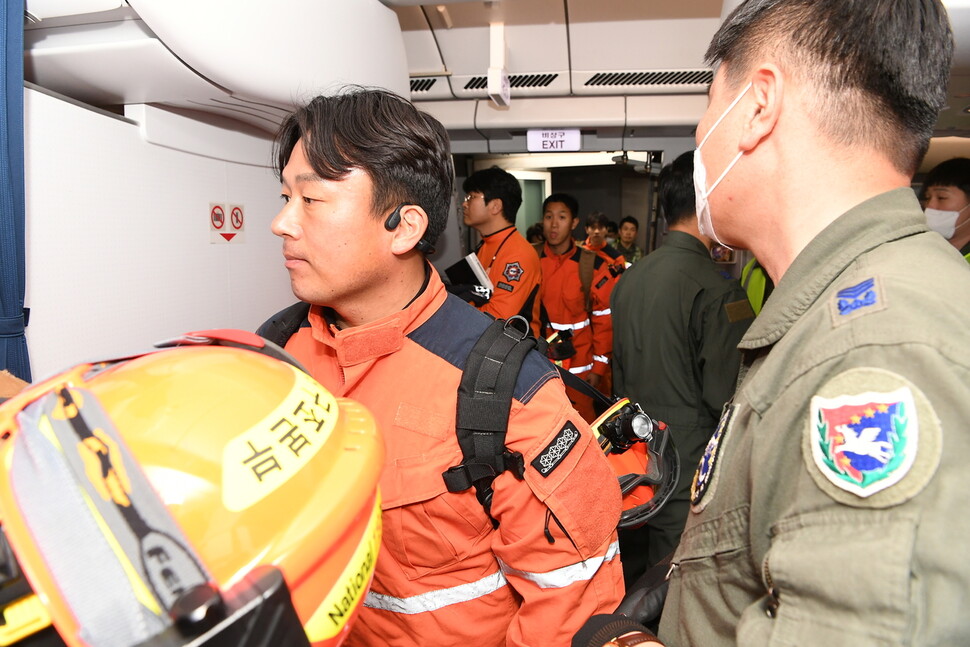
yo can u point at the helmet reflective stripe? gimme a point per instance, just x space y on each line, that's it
69 469
563 577
434 600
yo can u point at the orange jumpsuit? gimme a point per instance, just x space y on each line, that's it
564 308
444 575
617 262
513 268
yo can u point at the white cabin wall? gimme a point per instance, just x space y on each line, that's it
118 241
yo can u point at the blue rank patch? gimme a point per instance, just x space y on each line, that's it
867 442
858 296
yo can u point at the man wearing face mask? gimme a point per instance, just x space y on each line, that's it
829 500
946 194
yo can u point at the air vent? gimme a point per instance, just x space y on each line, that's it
422 85
662 77
515 81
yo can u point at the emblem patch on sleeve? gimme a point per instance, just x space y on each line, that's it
554 453
513 271
867 442
704 475
872 435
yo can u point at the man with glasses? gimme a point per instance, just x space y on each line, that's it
492 199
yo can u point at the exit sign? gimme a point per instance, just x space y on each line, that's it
548 141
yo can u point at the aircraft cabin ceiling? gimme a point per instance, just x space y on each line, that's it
627 74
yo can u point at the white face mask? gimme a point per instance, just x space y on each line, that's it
944 222
701 192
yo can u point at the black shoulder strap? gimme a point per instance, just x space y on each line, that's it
484 401
284 324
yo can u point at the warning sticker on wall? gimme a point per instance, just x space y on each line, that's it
226 225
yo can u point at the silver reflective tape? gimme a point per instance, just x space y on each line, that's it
434 600
575 326
601 313
581 369
563 577
601 358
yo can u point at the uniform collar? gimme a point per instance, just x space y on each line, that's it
683 240
886 217
381 337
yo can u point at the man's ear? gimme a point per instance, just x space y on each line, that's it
768 92
495 206
411 229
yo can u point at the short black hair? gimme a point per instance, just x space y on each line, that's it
630 219
952 172
879 67
597 219
675 189
404 151
571 203
495 183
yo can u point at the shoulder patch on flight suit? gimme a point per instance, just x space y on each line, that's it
550 457
872 438
704 477
857 300
739 310
513 271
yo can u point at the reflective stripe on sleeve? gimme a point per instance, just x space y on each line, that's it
575 326
601 313
434 600
581 369
601 358
563 577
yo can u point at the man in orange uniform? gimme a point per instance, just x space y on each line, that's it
367 183
576 291
597 227
492 199
597 230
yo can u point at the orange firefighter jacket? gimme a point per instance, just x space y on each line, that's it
512 266
566 307
444 575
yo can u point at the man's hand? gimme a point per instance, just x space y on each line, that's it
593 379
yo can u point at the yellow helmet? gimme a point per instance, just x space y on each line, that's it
160 498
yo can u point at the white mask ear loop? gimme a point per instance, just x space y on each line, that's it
725 114
716 123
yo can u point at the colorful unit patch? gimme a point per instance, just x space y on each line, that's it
513 271
858 296
550 457
705 469
865 443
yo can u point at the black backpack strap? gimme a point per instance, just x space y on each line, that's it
484 401
284 324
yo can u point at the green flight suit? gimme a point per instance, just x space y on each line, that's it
677 322
830 507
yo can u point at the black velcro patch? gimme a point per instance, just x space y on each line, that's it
550 457
504 286
602 282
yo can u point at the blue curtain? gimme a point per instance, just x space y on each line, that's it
13 343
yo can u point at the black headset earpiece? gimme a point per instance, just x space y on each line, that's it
394 219
424 247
